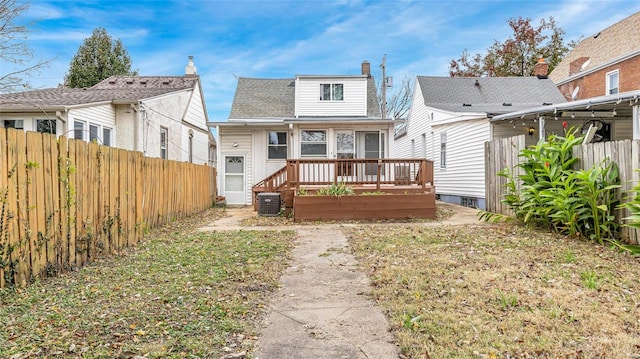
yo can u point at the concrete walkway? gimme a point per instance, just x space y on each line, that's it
322 309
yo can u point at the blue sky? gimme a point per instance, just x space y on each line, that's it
279 39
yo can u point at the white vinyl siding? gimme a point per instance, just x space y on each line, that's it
417 122
308 100
464 174
243 147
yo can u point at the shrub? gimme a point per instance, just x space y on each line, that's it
555 196
336 190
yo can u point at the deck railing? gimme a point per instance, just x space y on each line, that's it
375 172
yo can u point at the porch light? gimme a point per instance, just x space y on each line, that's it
531 131
614 113
235 144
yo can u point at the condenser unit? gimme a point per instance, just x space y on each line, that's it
268 204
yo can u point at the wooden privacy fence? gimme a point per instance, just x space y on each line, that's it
64 202
503 153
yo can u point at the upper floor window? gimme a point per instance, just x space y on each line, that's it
164 137
613 82
277 145
46 126
331 92
17 124
313 143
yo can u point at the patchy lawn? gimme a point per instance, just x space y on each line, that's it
501 291
179 294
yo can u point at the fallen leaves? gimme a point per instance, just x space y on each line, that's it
181 293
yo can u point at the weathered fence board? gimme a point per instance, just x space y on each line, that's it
65 202
626 154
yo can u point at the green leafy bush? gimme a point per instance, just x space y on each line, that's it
339 189
554 195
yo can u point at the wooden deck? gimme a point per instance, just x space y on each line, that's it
363 175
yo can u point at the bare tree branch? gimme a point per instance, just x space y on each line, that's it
399 99
14 48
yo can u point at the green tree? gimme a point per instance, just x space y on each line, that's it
518 54
15 55
99 57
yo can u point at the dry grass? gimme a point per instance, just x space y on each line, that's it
501 291
179 294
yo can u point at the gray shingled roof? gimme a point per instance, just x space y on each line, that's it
275 98
490 95
263 98
115 88
619 39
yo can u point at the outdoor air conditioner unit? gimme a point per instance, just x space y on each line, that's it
268 204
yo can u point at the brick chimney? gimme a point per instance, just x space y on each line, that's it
366 68
190 69
541 69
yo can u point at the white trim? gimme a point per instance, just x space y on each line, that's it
607 79
598 68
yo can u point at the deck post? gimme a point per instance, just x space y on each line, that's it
423 173
379 173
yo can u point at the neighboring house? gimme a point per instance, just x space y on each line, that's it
160 116
449 122
305 117
605 63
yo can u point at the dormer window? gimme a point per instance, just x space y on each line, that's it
331 92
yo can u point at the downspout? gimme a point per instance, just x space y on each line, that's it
635 115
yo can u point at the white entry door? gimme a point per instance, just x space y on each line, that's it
234 179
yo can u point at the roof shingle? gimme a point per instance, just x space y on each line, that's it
115 88
491 94
619 39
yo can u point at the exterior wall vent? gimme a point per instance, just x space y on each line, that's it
469 202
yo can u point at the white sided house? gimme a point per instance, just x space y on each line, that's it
306 117
160 116
449 123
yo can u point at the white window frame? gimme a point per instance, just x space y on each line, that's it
94 136
190 146
609 75
164 153
302 143
37 125
15 123
332 87
443 150
107 137
82 130
270 145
